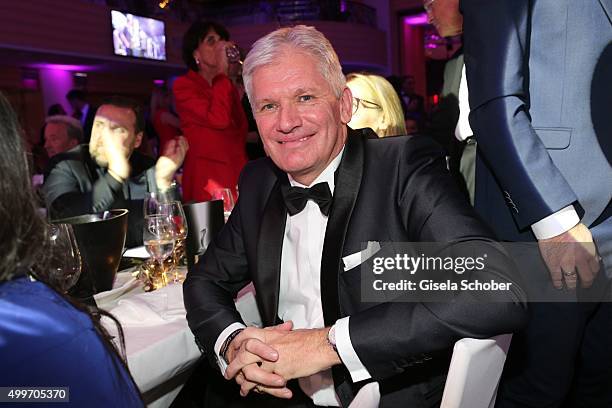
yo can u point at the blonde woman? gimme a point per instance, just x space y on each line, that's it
375 105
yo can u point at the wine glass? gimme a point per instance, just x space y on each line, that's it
154 203
233 54
225 194
174 209
158 237
65 265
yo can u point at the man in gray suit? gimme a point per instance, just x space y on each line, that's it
539 74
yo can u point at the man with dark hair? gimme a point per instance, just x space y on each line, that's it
109 173
82 111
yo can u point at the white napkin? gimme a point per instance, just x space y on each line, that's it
137 252
153 308
124 283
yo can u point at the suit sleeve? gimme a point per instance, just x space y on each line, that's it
65 199
211 107
497 52
213 284
434 210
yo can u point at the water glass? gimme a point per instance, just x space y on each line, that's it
158 236
233 54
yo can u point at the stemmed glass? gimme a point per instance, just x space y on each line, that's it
65 265
233 54
174 209
225 194
154 202
158 238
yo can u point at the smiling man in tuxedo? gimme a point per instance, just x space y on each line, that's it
302 213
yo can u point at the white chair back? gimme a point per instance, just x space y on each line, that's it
474 372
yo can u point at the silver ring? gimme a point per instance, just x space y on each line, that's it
569 274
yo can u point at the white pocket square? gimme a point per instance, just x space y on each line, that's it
353 260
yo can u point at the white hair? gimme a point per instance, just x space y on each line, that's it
300 38
74 129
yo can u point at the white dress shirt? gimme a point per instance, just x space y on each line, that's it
463 129
300 297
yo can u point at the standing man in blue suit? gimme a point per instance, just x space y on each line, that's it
540 75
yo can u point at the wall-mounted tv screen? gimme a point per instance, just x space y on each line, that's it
137 36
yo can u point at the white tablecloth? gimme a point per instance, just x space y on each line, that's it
158 342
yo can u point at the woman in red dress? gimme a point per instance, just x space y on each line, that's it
212 118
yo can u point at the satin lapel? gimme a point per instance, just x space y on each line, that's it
607 6
346 189
345 194
269 251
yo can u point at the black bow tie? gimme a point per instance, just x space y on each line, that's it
297 197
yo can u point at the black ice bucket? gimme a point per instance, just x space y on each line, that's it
101 238
204 221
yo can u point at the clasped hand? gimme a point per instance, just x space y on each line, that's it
265 359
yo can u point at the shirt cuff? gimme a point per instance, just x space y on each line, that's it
219 343
347 353
556 223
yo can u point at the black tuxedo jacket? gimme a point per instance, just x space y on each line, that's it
387 190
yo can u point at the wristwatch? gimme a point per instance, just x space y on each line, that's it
226 344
